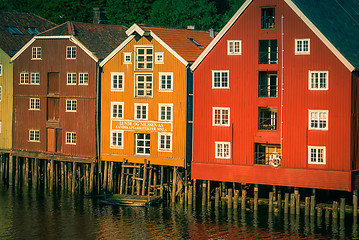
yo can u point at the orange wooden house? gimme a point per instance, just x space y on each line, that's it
146 105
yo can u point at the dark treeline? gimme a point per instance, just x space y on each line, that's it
205 14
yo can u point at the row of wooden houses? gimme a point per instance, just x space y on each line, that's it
270 99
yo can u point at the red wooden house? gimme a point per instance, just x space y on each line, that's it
276 97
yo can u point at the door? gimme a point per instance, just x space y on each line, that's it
51 140
53 81
53 109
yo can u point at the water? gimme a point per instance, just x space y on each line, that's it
27 214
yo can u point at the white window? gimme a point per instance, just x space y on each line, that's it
159 58
144 58
117 109
166 81
71 78
83 79
71 52
318 119
34 136
220 79
24 78
117 81
116 139
143 86
36 53
221 116
234 47
302 46
34 103
318 80
143 143
165 112
127 58
0 69
316 155
223 150
71 138
71 105
35 78
141 111
165 141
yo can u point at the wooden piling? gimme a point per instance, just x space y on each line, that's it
134 174
307 203
105 175
355 203
270 202
312 205
209 192
122 176
335 209
17 171
230 199
161 182
342 208
204 193
34 173
292 204
286 199
145 178
297 205
149 180
235 199
327 213
92 174
127 179
11 170
244 196
190 197
26 172
185 184
279 201
51 170
174 182
255 197
194 191
274 190
73 177
216 197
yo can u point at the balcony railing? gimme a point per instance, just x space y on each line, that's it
268 57
267 90
267 22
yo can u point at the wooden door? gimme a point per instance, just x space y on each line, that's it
53 81
58 140
51 140
53 109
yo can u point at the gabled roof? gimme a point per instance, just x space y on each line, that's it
185 44
28 24
335 22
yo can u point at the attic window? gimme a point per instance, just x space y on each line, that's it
14 30
195 42
32 30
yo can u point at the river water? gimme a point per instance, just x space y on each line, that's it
31 214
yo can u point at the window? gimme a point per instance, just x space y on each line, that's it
223 150
35 78
0 69
36 53
166 81
165 141
263 153
267 85
71 138
116 139
144 58
195 42
34 136
143 86
159 57
267 18
318 80
165 112
143 143
141 111
302 46
71 105
14 30
24 78
267 118
234 47
71 52
83 79
71 78
117 81
126 57
220 79
34 103
117 109
32 30
221 116
316 155
318 119
268 52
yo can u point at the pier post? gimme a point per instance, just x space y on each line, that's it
297 206
335 209
92 174
270 202
17 171
216 198
174 183
342 208
312 205
209 192
11 170
203 193
327 213
161 182
194 191
235 199
292 204
149 180
307 202
274 193
355 203
34 172
279 201
256 197
244 196
190 197
51 166
73 177
185 184
230 198
286 199
145 178
104 184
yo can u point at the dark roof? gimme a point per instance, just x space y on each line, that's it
338 20
23 22
100 39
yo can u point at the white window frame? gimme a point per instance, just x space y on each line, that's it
143 106
145 62
231 45
221 79
161 60
72 136
166 105
1 69
73 52
117 74
36 77
166 74
71 104
319 73
219 155
122 111
310 148
82 79
125 55
32 135
166 135
145 89
117 132
34 104
318 119
302 52
144 144
25 76
72 79
221 109
36 53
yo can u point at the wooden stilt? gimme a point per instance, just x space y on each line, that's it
203 193
174 184
270 208
105 175
355 203
342 208
155 180
297 205
161 182
51 170
209 192
138 184
127 179
190 197
312 205
274 190
134 174
145 177
149 181
74 166
292 204
279 201
327 213
11 170
185 184
27 171
230 198
244 196
122 176
92 175
307 202
35 173
286 199
335 209
235 199
255 207
17 171
216 198
194 191
62 170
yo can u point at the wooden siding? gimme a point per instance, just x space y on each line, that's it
176 157
242 98
355 124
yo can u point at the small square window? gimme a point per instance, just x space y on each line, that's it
159 58
267 118
302 46
35 78
71 52
318 119
36 53
117 81
166 81
165 141
71 78
144 58
34 103
220 79
143 87
83 79
223 150
143 144
34 136
24 78
234 47
221 116
71 138
316 155
165 112
141 111
116 139
71 105
268 18
318 80
127 58
117 109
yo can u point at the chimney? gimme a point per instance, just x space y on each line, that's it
191 27
211 33
99 16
